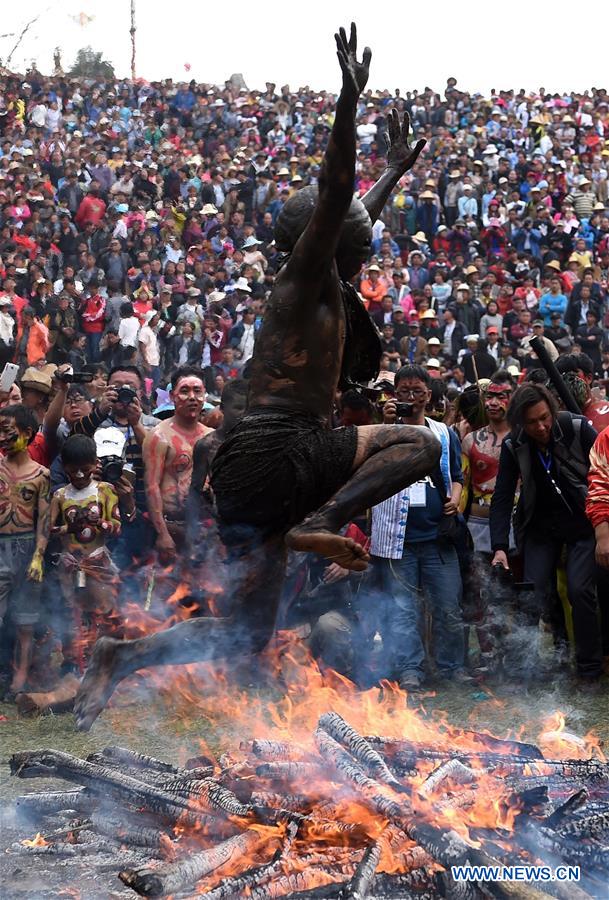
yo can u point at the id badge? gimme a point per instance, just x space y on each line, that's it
418 493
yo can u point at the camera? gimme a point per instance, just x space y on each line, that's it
403 410
110 444
74 377
125 395
112 468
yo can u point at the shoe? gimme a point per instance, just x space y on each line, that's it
591 687
411 683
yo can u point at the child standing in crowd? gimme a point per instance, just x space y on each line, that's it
85 515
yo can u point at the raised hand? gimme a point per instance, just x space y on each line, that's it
400 155
355 74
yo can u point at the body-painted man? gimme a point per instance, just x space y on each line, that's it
167 454
24 531
284 478
480 455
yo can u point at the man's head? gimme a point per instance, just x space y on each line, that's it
188 393
79 459
413 386
125 377
497 396
77 404
234 402
533 408
18 427
578 363
355 235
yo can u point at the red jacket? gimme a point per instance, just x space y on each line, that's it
597 502
91 209
92 314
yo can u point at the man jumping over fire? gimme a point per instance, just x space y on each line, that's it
283 477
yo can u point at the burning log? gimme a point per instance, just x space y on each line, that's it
585 827
416 885
288 770
451 770
293 802
359 886
50 802
100 780
277 750
178 876
488 744
315 876
132 759
123 832
359 748
60 699
334 753
574 802
237 886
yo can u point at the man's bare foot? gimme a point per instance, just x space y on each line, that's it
98 683
18 682
344 551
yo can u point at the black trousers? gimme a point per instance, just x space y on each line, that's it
541 558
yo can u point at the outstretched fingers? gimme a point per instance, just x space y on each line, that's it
405 127
417 150
367 57
353 39
393 126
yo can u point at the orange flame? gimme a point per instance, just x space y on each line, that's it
38 841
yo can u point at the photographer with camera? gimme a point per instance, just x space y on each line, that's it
412 544
120 407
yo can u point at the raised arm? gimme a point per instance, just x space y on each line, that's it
317 244
400 158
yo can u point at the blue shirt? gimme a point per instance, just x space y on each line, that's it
423 521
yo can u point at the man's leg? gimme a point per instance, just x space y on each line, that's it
441 583
405 621
541 557
581 588
254 579
388 458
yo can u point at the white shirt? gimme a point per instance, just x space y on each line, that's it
246 344
127 331
366 133
150 346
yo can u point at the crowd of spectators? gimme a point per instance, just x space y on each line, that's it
136 238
